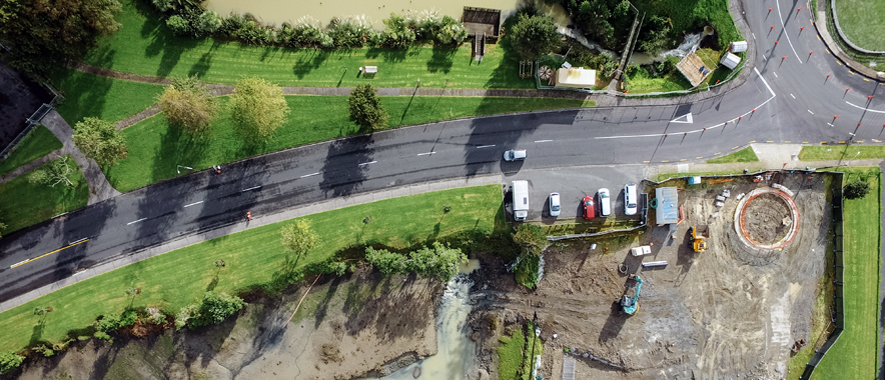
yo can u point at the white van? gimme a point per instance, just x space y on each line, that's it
630 199
605 202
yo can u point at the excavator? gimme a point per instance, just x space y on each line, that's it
631 304
698 234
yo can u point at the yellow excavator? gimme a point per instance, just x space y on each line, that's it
699 233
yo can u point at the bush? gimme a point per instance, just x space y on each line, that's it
185 315
366 109
397 33
107 323
209 22
9 361
155 316
216 308
856 190
178 25
531 238
128 318
101 335
350 32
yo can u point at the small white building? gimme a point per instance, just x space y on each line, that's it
730 60
738 47
575 77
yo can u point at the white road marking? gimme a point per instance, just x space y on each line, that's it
367 163
484 146
311 174
687 118
794 97
754 35
194 204
867 109
785 28
809 111
540 141
426 154
136 221
775 74
766 83
251 188
830 124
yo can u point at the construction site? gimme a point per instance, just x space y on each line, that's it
724 289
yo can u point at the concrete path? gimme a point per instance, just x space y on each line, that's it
257 221
28 167
99 188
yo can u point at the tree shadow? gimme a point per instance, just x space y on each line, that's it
441 60
323 307
343 172
389 55
202 65
309 62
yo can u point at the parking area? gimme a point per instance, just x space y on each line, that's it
573 184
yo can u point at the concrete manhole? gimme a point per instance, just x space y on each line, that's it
767 218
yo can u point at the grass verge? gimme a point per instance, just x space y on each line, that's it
88 95
253 258
38 143
840 152
663 176
861 21
744 155
854 356
144 45
510 355
155 149
23 204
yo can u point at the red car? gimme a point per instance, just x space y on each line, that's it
589 207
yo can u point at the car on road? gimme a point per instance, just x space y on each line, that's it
589 207
630 199
555 207
605 202
514 155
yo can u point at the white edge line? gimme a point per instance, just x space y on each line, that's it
766 83
780 17
426 154
311 175
136 221
484 146
865 109
809 111
367 163
251 188
194 204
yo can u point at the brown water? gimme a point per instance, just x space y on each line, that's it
279 11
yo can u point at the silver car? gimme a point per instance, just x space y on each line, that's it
514 155
555 207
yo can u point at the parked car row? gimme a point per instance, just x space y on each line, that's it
590 207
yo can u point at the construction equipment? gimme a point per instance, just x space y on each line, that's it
631 304
698 234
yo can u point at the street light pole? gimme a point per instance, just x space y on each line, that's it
849 161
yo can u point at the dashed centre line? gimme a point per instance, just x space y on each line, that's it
809 111
484 146
311 174
794 97
775 74
136 221
251 188
194 204
367 163
541 141
426 154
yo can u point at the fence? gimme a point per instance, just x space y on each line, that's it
838 269
643 200
32 121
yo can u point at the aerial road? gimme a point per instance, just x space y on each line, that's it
793 94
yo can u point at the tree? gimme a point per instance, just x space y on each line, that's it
2 227
385 261
365 108
216 308
533 36
531 238
44 33
440 261
298 237
100 140
52 173
856 190
188 104
9 361
257 109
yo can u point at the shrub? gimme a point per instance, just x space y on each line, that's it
185 315
350 32
366 109
107 323
128 318
178 25
209 22
856 190
9 361
216 308
531 238
397 33
155 316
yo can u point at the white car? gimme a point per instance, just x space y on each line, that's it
514 155
605 202
630 199
555 207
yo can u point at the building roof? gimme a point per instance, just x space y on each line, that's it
575 77
694 69
667 210
730 60
739 46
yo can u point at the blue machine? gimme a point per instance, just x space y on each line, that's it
631 304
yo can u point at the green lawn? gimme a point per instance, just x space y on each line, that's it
102 97
744 155
510 355
840 152
155 150
640 82
854 355
861 21
144 45
23 204
39 142
254 257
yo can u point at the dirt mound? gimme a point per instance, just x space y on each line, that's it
767 219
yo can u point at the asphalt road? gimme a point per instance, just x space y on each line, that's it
793 99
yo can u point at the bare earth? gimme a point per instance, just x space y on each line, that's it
731 312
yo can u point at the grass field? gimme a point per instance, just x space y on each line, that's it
510 355
840 152
144 45
39 142
744 155
854 355
88 95
861 21
253 257
155 149
23 204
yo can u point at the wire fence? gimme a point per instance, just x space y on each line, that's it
31 121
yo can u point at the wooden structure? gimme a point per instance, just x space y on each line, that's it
483 24
694 69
